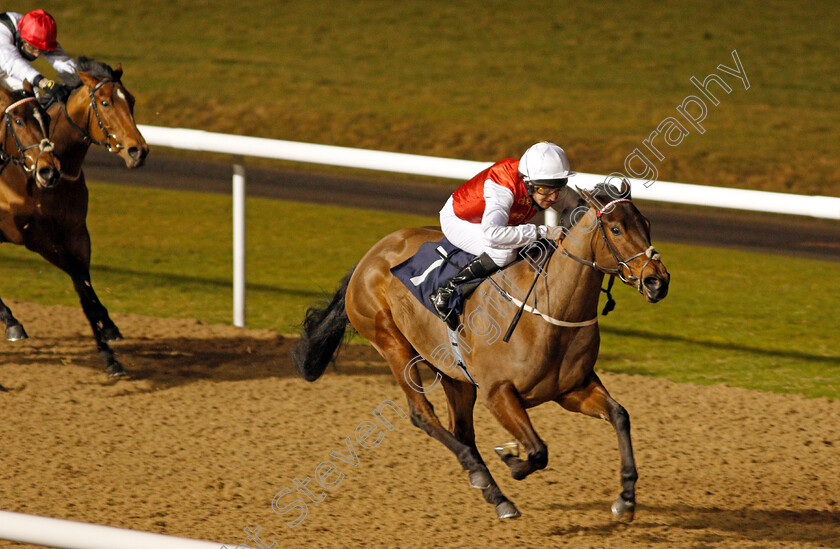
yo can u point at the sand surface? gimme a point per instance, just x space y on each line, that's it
214 423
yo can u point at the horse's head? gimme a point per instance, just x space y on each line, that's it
621 241
25 139
103 110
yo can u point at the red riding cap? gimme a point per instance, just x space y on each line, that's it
38 29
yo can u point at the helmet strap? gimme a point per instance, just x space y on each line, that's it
19 42
25 54
529 189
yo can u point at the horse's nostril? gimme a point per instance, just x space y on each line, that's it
134 152
49 176
652 282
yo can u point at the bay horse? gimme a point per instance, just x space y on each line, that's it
27 161
550 357
53 222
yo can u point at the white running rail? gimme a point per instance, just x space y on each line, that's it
66 534
827 207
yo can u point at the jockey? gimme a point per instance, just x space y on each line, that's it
24 38
487 216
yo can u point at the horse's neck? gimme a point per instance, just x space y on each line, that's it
70 145
571 288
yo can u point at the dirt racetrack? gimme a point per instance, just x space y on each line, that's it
214 424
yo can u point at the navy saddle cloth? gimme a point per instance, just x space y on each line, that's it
426 271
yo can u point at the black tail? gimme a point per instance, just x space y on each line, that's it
323 330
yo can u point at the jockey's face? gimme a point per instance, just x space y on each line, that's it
545 197
30 49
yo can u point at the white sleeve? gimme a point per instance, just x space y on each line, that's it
498 202
11 62
62 64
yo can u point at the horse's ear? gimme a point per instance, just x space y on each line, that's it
624 189
87 79
28 87
118 72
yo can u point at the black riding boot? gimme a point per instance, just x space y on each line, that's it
479 267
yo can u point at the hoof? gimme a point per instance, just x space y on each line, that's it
507 510
623 511
115 369
111 333
506 450
16 333
480 479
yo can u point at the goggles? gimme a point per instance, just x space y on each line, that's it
556 186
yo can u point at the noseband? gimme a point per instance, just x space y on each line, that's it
93 108
45 145
621 264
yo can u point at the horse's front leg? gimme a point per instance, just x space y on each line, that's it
95 311
504 402
71 254
73 257
14 329
461 400
104 329
594 400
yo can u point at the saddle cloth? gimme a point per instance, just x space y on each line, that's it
426 271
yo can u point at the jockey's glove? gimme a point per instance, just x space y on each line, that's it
59 91
45 84
551 233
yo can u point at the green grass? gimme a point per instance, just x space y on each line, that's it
169 253
482 80
751 320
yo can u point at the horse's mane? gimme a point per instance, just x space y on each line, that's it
602 194
95 68
17 95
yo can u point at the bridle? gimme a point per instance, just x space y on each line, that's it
621 264
45 145
618 271
93 108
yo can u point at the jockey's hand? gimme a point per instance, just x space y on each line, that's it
46 84
60 92
551 233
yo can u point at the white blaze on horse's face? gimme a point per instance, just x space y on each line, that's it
121 95
41 122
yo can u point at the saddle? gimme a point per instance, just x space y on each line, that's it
433 265
437 262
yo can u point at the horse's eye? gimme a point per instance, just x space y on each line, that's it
615 230
105 103
18 121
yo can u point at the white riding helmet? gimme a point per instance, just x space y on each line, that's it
545 164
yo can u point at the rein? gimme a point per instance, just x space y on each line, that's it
45 145
93 108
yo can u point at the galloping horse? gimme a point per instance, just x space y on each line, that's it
26 125
550 357
26 157
52 222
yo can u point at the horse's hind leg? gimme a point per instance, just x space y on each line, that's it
505 404
594 400
402 359
461 399
14 329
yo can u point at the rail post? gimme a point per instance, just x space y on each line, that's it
239 243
